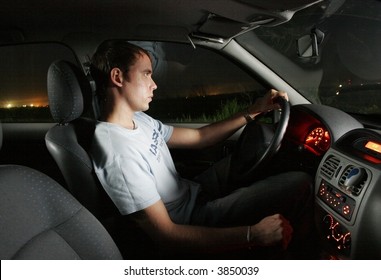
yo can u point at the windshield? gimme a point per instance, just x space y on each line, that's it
329 52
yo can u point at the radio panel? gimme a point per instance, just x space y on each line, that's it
340 202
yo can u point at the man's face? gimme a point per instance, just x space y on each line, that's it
139 86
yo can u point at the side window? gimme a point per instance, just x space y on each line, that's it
23 72
197 85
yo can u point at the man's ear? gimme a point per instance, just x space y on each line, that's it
116 76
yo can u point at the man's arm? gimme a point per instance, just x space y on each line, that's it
156 222
213 133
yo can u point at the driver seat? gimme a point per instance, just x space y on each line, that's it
69 142
69 93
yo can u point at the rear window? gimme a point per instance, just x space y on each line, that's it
23 72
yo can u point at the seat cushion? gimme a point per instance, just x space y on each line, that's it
39 219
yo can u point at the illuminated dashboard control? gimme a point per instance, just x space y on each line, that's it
373 146
318 140
337 200
346 210
336 234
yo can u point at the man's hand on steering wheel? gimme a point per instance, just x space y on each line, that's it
258 143
266 103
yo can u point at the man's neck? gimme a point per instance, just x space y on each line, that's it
119 115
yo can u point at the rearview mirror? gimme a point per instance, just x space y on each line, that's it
309 45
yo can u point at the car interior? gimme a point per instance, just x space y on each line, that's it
211 59
41 220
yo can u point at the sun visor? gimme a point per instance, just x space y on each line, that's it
221 27
228 23
278 5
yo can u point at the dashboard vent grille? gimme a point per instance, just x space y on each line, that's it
329 166
345 175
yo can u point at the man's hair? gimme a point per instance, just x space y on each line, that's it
113 54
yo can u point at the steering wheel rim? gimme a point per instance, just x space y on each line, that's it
244 165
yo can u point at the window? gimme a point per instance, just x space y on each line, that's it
23 72
197 85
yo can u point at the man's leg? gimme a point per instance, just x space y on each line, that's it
290 194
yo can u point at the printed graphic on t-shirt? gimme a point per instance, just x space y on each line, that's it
157 142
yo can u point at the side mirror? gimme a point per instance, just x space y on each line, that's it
309 45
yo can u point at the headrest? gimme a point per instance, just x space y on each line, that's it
69 91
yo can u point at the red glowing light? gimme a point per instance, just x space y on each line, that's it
318 140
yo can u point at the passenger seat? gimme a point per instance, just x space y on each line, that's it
40 220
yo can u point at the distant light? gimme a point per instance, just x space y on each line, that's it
337 92
31 105
9 105
340 86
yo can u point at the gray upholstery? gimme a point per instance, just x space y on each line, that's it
39 219
69 94
65 85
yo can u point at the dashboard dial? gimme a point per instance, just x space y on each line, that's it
318 140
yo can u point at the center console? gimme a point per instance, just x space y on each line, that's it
348 197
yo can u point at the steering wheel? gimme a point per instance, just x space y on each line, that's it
257 144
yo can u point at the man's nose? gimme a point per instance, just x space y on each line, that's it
154 86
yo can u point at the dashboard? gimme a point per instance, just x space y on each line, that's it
348 196
311 131
345 160
315 127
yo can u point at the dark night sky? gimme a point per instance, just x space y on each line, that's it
23 71
26 84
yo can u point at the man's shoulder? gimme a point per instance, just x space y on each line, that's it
109 132
102 127
144 117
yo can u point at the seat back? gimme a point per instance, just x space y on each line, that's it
69 141
39 219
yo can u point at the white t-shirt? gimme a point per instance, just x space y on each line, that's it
136 169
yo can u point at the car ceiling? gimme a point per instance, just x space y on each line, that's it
37 20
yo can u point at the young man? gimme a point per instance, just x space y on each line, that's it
132 160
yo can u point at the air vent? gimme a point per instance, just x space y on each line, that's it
345 174
353 179
329 166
